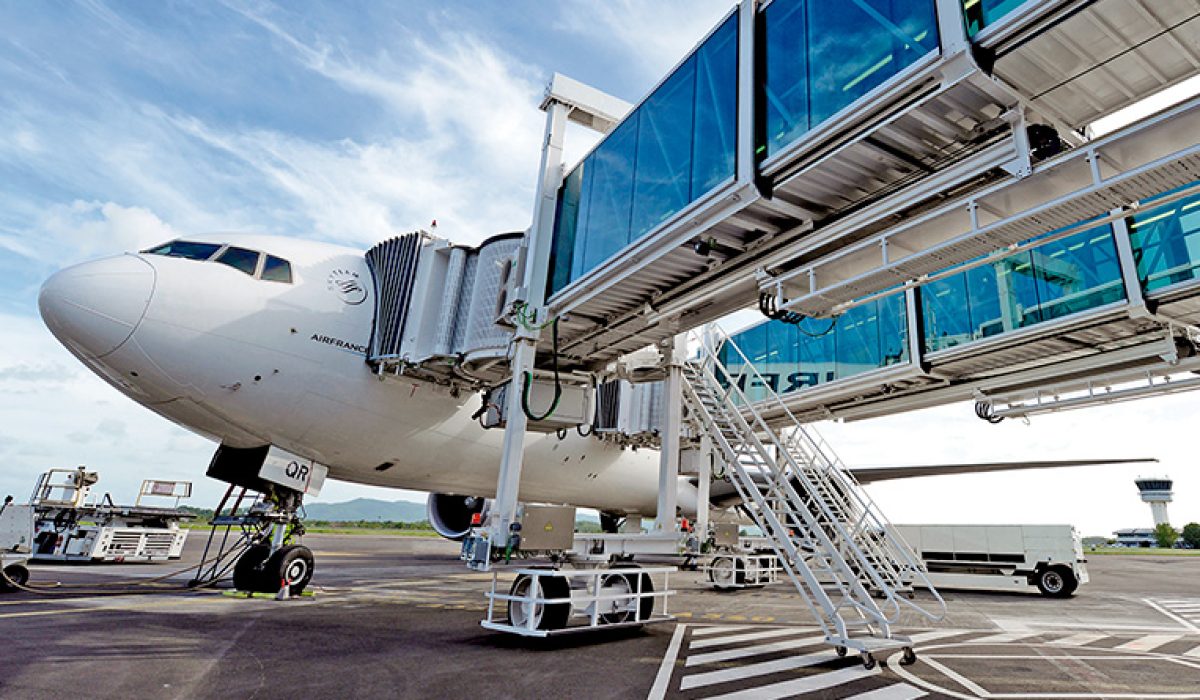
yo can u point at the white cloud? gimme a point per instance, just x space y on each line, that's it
653 36
91 229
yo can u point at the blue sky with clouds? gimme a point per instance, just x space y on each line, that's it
125 124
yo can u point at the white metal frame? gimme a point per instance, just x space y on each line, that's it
755 571
585 599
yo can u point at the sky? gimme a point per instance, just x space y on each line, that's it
127 124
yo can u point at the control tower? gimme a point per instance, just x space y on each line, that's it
1157 492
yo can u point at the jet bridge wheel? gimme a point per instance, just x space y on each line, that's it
17 574
545 616
623 610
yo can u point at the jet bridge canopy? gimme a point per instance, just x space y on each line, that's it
810 126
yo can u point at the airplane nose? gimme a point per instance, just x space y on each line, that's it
94 307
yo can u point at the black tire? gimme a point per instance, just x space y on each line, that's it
16 573
626 610
1057 582
551 616
248 571
909 657
723 574
294 565
868 660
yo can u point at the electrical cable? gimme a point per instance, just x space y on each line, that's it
768 306
557 381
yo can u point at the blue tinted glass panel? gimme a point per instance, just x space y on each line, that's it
714 139
893 330
785 85
983 13
276 270
240 259
566 220
1166 243
612 195
817 351
1077 273
858 340
582 217
672 149
945 312
185 249
821 56
1057 279
854 45
662 185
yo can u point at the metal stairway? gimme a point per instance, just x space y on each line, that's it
851 568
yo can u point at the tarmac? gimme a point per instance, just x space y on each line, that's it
399 617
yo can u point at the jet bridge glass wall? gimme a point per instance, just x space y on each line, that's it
792 357
1058 279
1166 243
821 56
984 13
673 149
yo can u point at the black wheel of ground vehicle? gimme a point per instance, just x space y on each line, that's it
841 651
542 616
292 565
723 573
624 609
909 657
868 661
248 571
1057 582
17 574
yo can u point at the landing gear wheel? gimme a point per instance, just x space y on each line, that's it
292 565
868 661
17 574
542 616
1057 582
909 657
624 609
248 571
841 651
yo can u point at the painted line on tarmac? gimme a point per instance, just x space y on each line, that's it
1186 625
658 691
111 608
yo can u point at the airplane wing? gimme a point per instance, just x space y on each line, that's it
866 475
723 494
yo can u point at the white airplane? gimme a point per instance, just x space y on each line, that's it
257 341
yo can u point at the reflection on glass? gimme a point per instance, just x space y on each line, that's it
792 358
821 56
1166 243
1057 279
984 13
671 150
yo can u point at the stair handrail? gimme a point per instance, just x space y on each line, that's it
913 566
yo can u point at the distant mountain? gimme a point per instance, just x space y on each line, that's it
367 509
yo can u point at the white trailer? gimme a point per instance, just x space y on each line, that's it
16 537
1001 557
70 527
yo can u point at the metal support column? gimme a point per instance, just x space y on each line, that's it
668 465
703 481
532 292
1128 265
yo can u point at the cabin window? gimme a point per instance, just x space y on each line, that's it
185 249
240 259
277 270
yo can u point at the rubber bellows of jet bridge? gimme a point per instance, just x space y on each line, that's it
439 307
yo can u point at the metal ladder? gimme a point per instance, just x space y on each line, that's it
847 562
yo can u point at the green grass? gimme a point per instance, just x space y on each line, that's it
1144 551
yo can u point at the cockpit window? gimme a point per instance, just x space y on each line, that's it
277 270
240 259
185 249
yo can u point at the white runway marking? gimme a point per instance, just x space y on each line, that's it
899 691
697 680
1182 610
756 650
1150 642
659 690
714 641
807 684
1079 640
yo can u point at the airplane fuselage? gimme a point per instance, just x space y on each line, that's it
249 361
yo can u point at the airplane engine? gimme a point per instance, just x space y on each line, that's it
451 515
